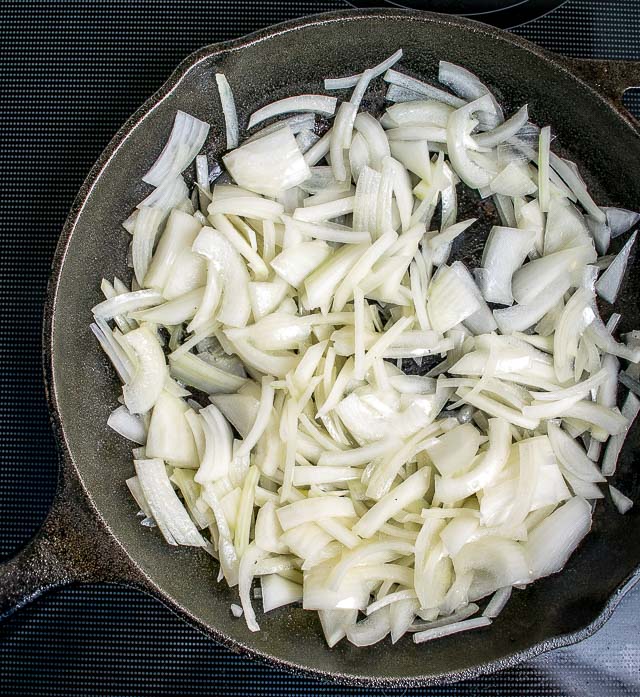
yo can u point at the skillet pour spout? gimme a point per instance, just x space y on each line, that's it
92 532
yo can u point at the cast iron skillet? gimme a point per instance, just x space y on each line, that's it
92 533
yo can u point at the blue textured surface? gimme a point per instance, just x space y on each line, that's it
71 73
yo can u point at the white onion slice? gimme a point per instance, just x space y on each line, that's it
465 84
269 165
576 185
214 246
311 509
145 232
278 592
412 489
609 284
489 465
170 438
316 103
471 173
505 130
551 543
422 88
504 252
620 220
194 371
614 446
623 503
227 102
187 138
128 425
498 602
340 83
126 302
370 630
450 300
145 387
167 510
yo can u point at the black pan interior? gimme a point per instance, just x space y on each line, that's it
295 61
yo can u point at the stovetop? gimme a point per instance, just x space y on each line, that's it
71 72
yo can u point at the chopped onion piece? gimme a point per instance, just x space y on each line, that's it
145 387
497 603
128 425
614 446
450 300
194 371
505 130
609 284
551 543
187 138
228 105
412 489
448 629
505 251
620 220
278 591
311 509
167 510
471 173
621 502
543 169
422 88
269 165
316 103
340 83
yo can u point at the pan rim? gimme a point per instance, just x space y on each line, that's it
70 468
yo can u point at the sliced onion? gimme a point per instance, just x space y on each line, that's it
170 438
269 165
165 506
465 84
452 628
621 502
128 425
472 174
145 387
489 465
341 83
503 255
227 102
316 103
613 449
187 138
609 284
620 220
505 130
422 88
552 541
450 300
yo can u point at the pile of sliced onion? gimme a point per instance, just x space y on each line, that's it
327 400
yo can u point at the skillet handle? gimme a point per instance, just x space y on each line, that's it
609 77
72 545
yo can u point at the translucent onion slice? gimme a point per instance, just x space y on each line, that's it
416 86
317 103
187 138
269 165
146 385
340 83
228 104
165 506
609 284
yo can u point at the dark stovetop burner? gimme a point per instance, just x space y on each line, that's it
500 13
